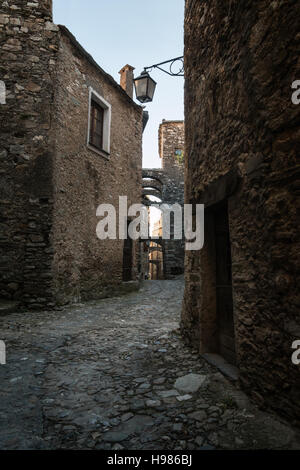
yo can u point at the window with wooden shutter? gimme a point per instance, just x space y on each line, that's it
99 124
96 125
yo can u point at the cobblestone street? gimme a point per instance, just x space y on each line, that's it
102 375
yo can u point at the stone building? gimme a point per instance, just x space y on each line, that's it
71 139
167 184
242 139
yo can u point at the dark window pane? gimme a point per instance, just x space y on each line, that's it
96 125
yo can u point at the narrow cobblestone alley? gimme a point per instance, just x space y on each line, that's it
102 375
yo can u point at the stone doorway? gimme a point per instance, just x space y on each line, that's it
216 314
224 300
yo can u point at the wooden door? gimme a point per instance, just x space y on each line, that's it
127 258
224 286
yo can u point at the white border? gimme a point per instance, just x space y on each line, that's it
106 123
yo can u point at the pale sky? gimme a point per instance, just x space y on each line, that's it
135 32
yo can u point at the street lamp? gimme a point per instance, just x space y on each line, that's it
145 85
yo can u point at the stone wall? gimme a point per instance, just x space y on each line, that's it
170 139
51 184
84 266
28 46
240 61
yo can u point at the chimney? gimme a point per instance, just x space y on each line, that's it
47 8
126 81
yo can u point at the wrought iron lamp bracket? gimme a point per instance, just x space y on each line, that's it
178 60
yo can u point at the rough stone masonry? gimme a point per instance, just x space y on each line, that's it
242 144
51 181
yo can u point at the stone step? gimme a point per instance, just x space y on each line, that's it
218 361
8 306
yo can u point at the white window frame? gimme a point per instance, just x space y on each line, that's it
93 95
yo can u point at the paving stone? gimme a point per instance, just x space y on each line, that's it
138 405
214 439
199 441
126 416
190 383
198 415
177 427
239 442
184 397
110 389
203 406
118 447
159 381
115 436
139 423
167 393
145 386
213 409
114 422
153 403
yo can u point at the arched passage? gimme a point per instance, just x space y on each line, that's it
156 261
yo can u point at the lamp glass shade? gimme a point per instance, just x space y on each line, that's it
144 87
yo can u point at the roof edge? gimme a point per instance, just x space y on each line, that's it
165 121
92 61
